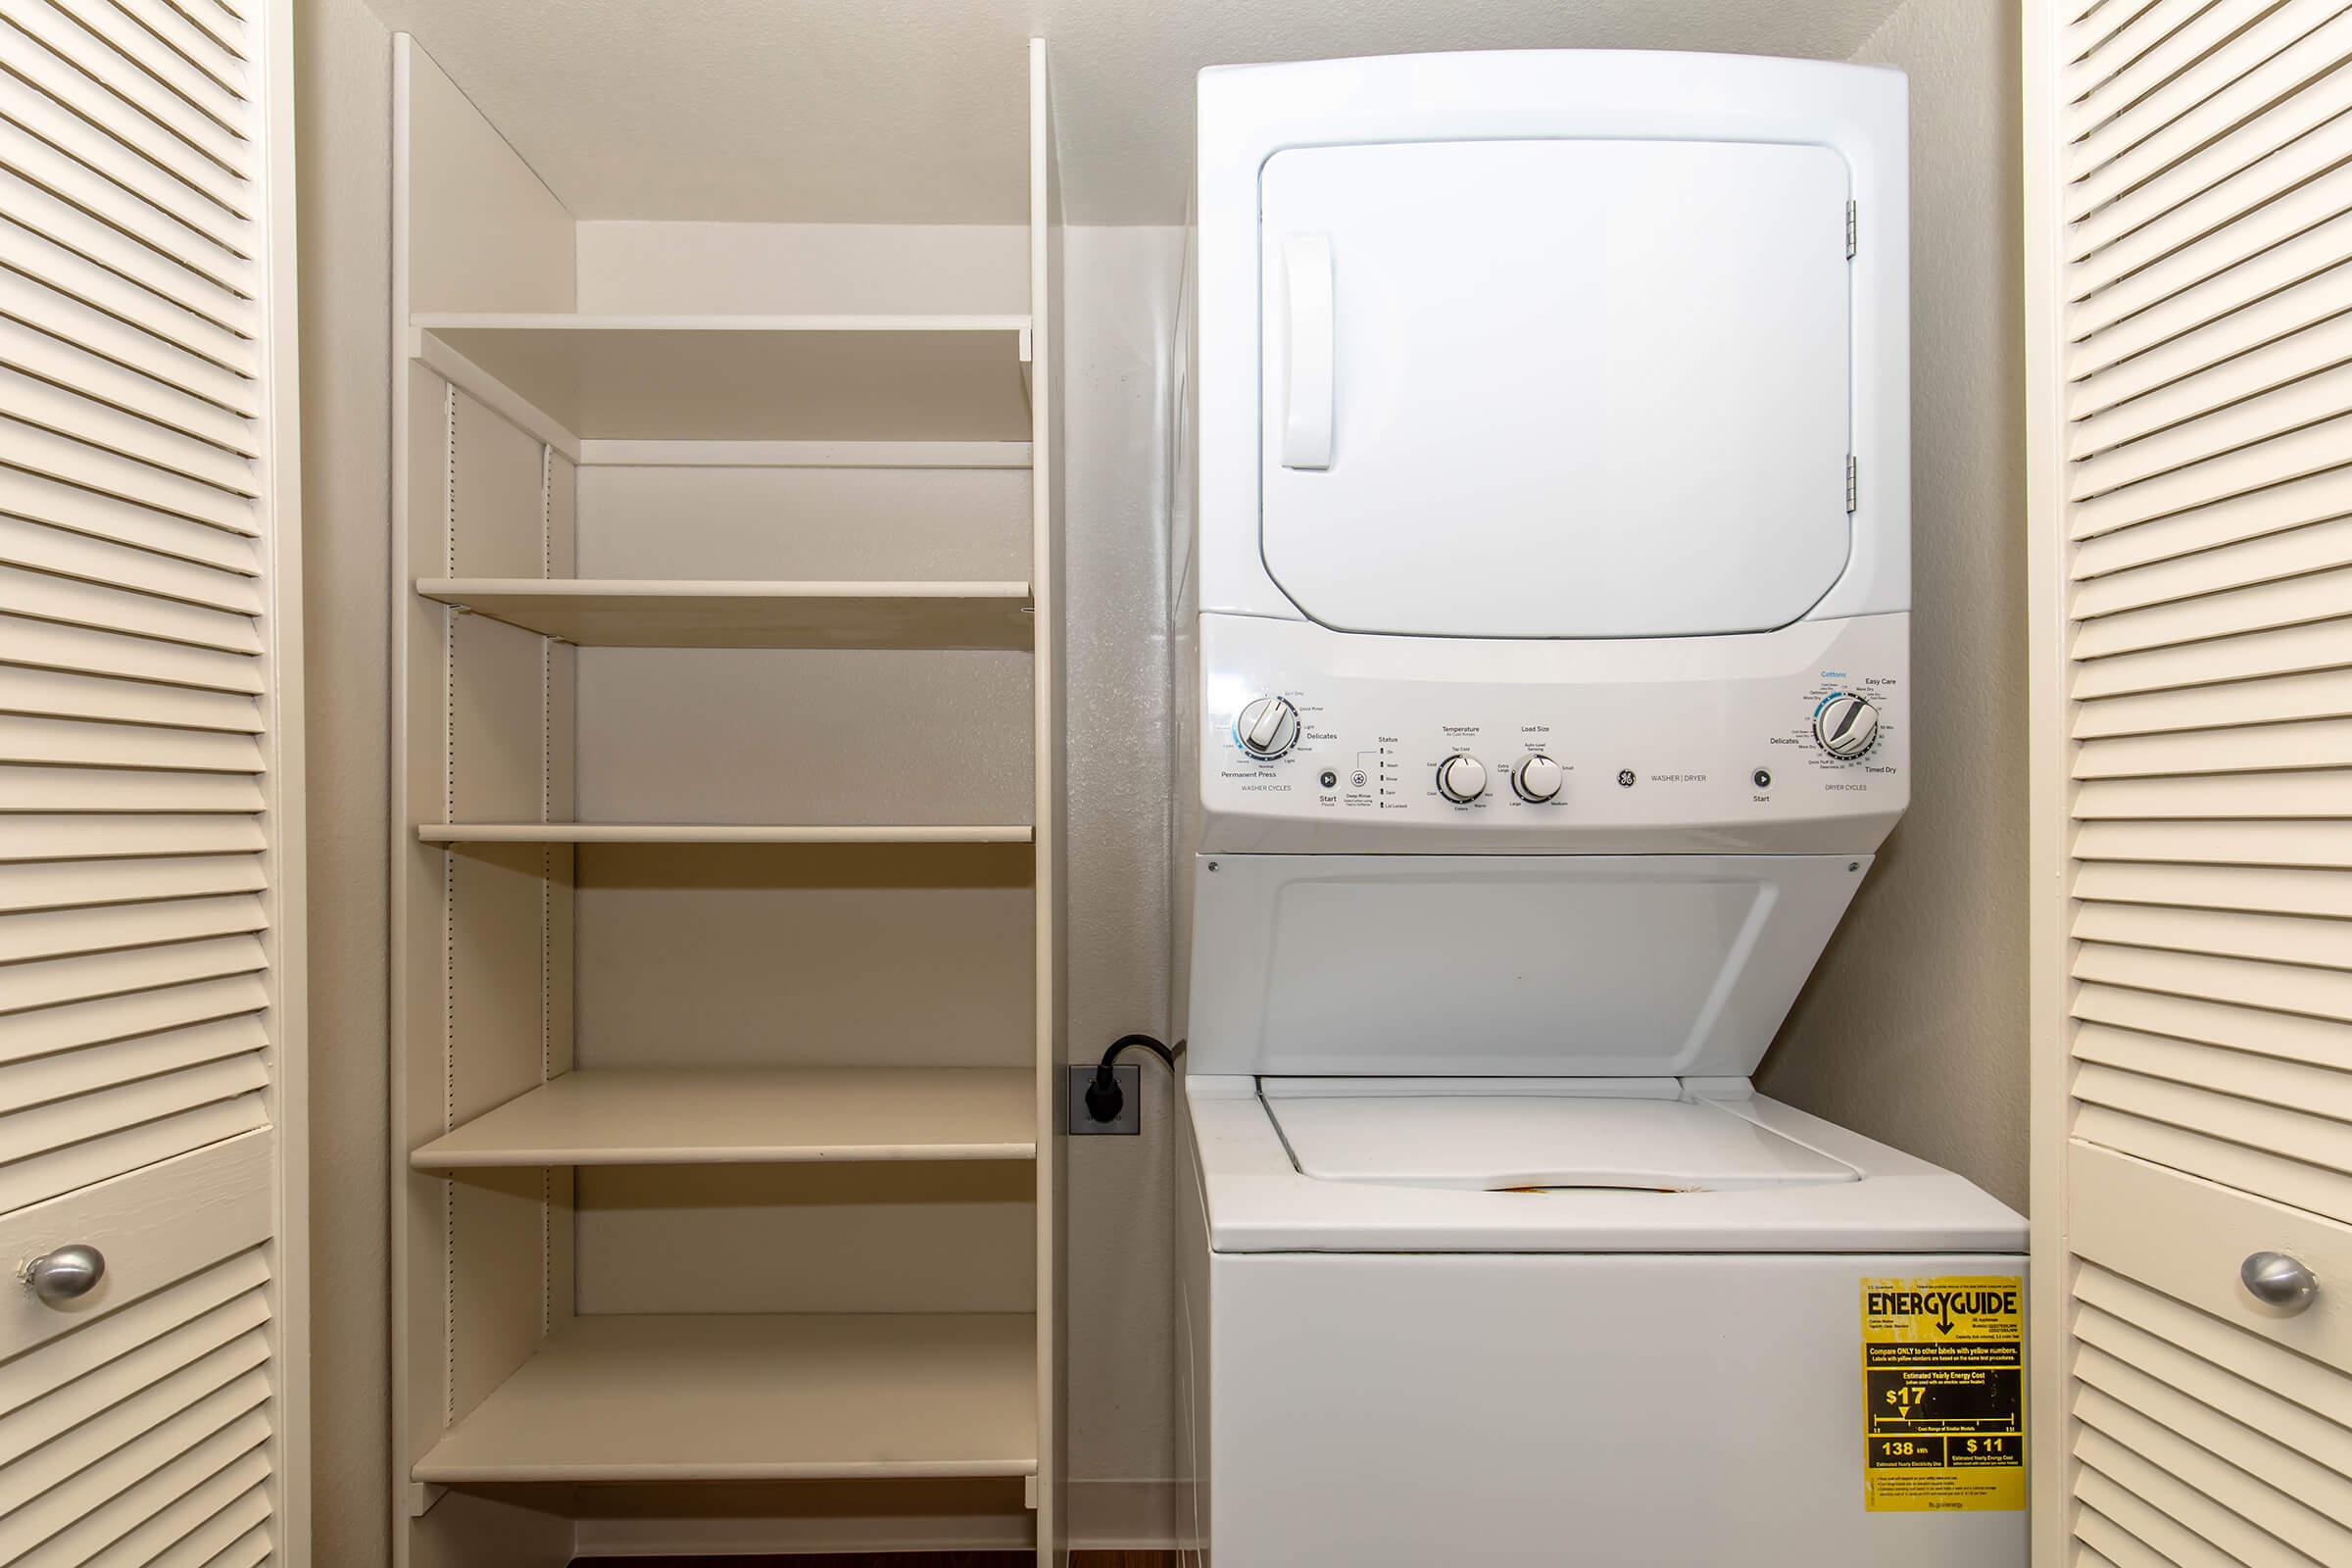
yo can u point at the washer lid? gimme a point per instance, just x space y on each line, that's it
1534 1135
1258 1201
1580 966
1563 388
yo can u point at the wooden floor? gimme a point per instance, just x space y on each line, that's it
901 1559
891 1559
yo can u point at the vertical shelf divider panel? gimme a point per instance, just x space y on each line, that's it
1048 688
504 1398
481 986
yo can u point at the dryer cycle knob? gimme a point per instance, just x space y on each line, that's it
1462 778
1267 728
1538 778
1845 724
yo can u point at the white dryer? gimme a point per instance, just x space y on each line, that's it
1543 691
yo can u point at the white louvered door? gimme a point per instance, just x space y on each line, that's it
151 996
2188 266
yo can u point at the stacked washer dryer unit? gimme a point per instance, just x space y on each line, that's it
1543 673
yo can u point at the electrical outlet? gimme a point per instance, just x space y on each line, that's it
1130 1119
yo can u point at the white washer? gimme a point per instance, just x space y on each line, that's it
1389 1373
1542 644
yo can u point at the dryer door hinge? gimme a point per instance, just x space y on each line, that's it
1852 231
1854 482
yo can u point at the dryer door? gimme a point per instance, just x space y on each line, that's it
1554 388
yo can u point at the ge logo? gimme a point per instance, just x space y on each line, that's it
1625 778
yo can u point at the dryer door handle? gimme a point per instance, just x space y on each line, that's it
1306 417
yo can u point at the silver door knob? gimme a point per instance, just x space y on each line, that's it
66 1274
2276 1280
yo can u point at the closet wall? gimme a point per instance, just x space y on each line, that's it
1913 1028
1122 283
343 101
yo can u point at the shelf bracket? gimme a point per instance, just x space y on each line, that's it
1029 1493
422 1495
493 394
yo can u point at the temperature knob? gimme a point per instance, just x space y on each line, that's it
1845 725
1462 778
1538 778
1267 728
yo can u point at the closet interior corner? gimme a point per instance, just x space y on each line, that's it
726 1186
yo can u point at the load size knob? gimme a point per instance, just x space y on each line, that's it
1462 778
1538 778
1845 724
1267 728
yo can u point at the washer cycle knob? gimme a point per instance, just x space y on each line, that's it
1538 778
1845 724
1462 778
1267 728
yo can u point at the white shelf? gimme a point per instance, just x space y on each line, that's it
725 1116
757 1398
747 377
644 613
710 833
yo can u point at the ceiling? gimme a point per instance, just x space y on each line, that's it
915 111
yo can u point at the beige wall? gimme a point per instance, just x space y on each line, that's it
1913 1029
1118 312
344 103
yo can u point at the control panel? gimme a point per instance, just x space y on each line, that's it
1789 741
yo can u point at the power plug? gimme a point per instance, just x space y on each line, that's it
1099 1111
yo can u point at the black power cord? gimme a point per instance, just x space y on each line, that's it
1103 1097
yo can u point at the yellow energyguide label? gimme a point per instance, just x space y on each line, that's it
1943 1413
